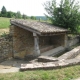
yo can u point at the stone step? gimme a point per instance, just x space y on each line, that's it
49 65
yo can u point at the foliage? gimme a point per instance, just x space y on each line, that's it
24 16
3 12
10 14
18 15
4 34
0 14
66 14
33 17
27 17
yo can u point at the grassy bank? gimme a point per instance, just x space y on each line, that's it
4 22
58 74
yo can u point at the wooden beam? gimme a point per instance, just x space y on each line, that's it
52 34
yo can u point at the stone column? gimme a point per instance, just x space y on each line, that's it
36 45
66 41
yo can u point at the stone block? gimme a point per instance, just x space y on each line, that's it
47 59
20 55
29 57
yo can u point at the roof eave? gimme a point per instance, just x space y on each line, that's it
36 31
53 33
26 28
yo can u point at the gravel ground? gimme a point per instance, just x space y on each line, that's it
11 65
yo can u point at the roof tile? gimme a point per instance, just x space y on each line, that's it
41 27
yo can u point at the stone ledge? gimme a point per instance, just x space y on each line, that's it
49 65
29 57
71 54
47 59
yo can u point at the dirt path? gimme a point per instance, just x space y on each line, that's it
11 65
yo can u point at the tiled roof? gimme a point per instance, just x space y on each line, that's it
37 26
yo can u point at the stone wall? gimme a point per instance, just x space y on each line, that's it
66 60
70 54
56 40
23 41
73 41
5 47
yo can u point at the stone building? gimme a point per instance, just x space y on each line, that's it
35 37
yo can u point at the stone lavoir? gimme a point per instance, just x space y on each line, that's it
35 38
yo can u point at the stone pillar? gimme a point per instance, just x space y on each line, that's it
36 45
66 41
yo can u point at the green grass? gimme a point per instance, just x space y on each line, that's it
4 22
67 73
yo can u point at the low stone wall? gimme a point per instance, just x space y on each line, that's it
73 41
55 40
49 65
52 63
70 54
5 47
60 49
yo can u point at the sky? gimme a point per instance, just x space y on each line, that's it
28 7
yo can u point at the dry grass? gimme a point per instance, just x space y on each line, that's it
2 31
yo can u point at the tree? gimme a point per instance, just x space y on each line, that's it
24 16
14 15
9 14
65 15
0 14
3 12
18 15
27 17
33 17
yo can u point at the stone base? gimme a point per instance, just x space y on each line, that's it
50 63
46 59
20 55
29 57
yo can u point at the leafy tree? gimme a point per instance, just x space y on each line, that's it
9 14
24 16
3 12
27 17
14 15
18 15
0 14
66 14
33 17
